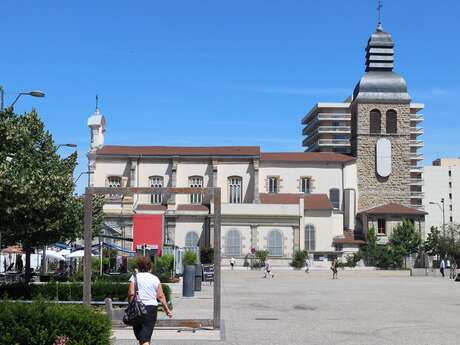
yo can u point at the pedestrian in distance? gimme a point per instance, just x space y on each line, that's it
307 265
149 293
453 269
334 268
232 263
442 267
268 270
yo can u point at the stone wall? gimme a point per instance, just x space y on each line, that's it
373 189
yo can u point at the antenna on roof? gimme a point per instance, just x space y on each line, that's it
379 12
97 103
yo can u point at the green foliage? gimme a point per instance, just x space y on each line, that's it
299 258
351 260
42 323
207 255
369 251
261 256
389 257
406 238
189 258
164 267
100 290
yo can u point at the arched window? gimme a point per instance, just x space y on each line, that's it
195 182
275 243
375 121
191 239
334 197
114 182
156 182
233 243
234 189
392 122
310 237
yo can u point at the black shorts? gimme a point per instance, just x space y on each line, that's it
143 331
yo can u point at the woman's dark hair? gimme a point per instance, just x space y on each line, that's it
143 264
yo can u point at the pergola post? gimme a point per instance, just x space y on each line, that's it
217 246
88 242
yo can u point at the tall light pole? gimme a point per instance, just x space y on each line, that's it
83 173
443 215
66 145
34 93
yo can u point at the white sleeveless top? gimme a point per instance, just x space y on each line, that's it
147 284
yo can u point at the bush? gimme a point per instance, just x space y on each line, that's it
189 258
100 290
299 258
207 255
41 323
262 255
351 261
164 267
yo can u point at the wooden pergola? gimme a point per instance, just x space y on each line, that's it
213 192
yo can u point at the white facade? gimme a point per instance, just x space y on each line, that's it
442 183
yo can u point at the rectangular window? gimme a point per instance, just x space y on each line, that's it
450 173
450 207
451 219
234 189
306 185
114 182
273 184
450 196
381 226
196 182
156 182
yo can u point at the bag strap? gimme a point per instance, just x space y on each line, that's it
136 288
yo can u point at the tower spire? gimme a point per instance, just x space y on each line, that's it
379 13
97 103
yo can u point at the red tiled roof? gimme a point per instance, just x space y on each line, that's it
393 208
179 150
311 201
348 237
150 207
317 157
192 207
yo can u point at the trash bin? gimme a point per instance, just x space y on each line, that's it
188 281
198 277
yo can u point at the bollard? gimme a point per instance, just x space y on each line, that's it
198 277
188 281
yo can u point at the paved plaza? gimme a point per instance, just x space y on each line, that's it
361 307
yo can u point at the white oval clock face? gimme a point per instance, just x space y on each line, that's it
383 157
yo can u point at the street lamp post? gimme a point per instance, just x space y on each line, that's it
34 93
83 173
443 215
66 145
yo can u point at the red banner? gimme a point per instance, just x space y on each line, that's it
148 230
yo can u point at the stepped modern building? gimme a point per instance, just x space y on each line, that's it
360 171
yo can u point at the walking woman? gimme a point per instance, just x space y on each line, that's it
150 292
334 268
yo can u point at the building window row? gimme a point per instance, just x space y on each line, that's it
156 182
375 122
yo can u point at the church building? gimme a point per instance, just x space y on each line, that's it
359 171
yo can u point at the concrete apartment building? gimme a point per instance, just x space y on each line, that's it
323 200
442 190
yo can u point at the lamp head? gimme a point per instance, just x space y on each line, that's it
36 93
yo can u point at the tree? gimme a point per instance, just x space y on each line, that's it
369 251
405 239
37 202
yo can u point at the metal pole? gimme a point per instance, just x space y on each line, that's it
217 248
443 219
2 95
88 240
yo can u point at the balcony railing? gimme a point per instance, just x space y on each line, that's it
416 157
416 169
417 195
335 117
416 130
416 181
416 143
334 129
334 142
416 118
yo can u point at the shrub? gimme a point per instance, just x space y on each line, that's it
262 255
351 260
164 267
299 258
100 290
41 323
207 255
189 258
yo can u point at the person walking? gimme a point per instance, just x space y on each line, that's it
334 268
232 262
149 292
268 269
307 265
442 267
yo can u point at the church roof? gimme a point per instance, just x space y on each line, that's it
311 201
394 209
312 157
380 83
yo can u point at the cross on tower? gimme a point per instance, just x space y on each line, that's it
379 10
97 102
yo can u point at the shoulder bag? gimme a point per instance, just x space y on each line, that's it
136 311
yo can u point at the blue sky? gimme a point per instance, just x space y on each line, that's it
220 72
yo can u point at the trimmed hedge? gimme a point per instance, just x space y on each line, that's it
41 323
100 290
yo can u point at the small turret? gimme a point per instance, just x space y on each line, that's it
96 124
